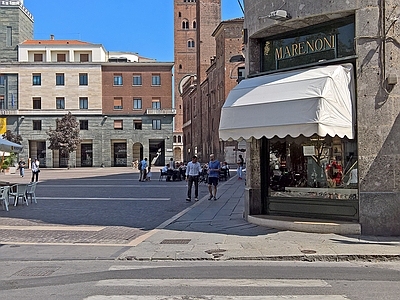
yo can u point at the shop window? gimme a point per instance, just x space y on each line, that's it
315 167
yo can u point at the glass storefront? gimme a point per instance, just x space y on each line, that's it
313 167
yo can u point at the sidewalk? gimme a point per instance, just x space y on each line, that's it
211 230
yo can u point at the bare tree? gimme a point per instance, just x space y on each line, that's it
65 137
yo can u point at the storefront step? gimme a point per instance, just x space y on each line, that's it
305 224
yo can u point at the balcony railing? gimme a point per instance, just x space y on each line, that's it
165 111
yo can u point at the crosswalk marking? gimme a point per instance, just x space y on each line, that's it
215 282
214 297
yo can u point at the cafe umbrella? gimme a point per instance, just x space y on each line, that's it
7 146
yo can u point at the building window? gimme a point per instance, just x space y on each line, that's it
37 124
155 79
38 57
118 124
2 102
117 103
185 24
137 125
84 57
180 67
61 57
118 79
59 79
9 36
83 103
179 139
194 24
83 79
37 103
156 124
190 44
156 104
83 124
2 80
60 103
137 103
137 79
36 79
179 14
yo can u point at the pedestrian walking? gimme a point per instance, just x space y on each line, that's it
35 170
193 169
21 167
143 168
240 167
213 176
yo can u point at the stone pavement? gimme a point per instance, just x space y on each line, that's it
216 230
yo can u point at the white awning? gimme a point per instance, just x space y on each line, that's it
318 100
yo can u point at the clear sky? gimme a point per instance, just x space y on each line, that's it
141 26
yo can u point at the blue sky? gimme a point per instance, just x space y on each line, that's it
141 26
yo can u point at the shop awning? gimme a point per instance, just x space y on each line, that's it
305 102
7 146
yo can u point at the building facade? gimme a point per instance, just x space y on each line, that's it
122 101
333 152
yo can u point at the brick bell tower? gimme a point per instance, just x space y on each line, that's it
194 45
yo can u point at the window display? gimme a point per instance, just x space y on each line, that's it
313 167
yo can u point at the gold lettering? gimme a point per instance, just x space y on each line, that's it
287 52
319 45
278 53
310 46
331 42
302 48
295 48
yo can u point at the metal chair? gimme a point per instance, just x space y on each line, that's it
4 196
30 191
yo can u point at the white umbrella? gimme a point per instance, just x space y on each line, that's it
8 146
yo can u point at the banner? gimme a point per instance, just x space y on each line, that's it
3 125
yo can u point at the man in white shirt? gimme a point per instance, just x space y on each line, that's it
193 169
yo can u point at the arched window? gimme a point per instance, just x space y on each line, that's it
179 139
194 24
174 138
185 24
190 43
180 67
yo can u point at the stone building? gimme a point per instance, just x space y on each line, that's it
321 104
204 93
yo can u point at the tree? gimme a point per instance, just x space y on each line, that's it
65 137
10 136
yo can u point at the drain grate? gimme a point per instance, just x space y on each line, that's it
176 241
36 271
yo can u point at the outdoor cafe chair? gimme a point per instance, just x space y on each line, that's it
17 191
162 175
30 191
4 196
